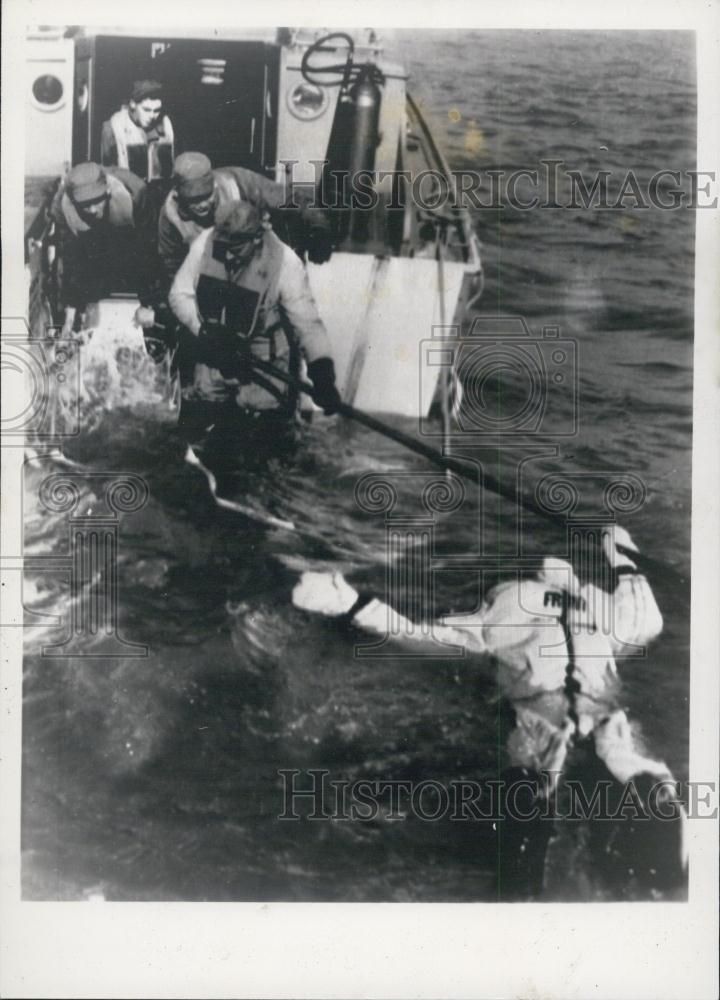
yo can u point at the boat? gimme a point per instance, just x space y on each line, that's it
306 106
402 276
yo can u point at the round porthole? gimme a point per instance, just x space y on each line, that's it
307 100
48 92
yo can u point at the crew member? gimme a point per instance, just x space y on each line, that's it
557 666
104 229
243 294
139 137
199 194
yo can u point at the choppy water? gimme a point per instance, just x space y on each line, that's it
156 778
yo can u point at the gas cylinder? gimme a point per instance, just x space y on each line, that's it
365 97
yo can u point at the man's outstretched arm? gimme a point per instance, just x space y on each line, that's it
182 298
330 594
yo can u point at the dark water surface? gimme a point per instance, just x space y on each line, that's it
156 778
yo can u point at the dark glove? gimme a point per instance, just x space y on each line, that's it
162 336
326 395
317 235
221 349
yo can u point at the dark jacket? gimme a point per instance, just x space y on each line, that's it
298 227
118 254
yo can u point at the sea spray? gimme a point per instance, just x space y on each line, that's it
117 372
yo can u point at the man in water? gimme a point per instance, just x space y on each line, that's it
244 295
558 672
139 137
200 194
104 228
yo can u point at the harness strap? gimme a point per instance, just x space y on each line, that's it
572 685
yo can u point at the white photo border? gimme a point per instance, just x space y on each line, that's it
635 950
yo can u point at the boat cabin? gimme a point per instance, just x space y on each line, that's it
324 110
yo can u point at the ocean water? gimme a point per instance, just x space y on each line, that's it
157 777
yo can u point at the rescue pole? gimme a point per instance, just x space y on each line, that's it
452 464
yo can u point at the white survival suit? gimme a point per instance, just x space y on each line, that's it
556 642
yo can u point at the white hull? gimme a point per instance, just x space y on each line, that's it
378 312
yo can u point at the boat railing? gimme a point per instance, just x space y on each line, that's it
40 260
453 223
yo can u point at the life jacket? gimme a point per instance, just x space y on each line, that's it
120 208
248 305
188 228
151 159
227 192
